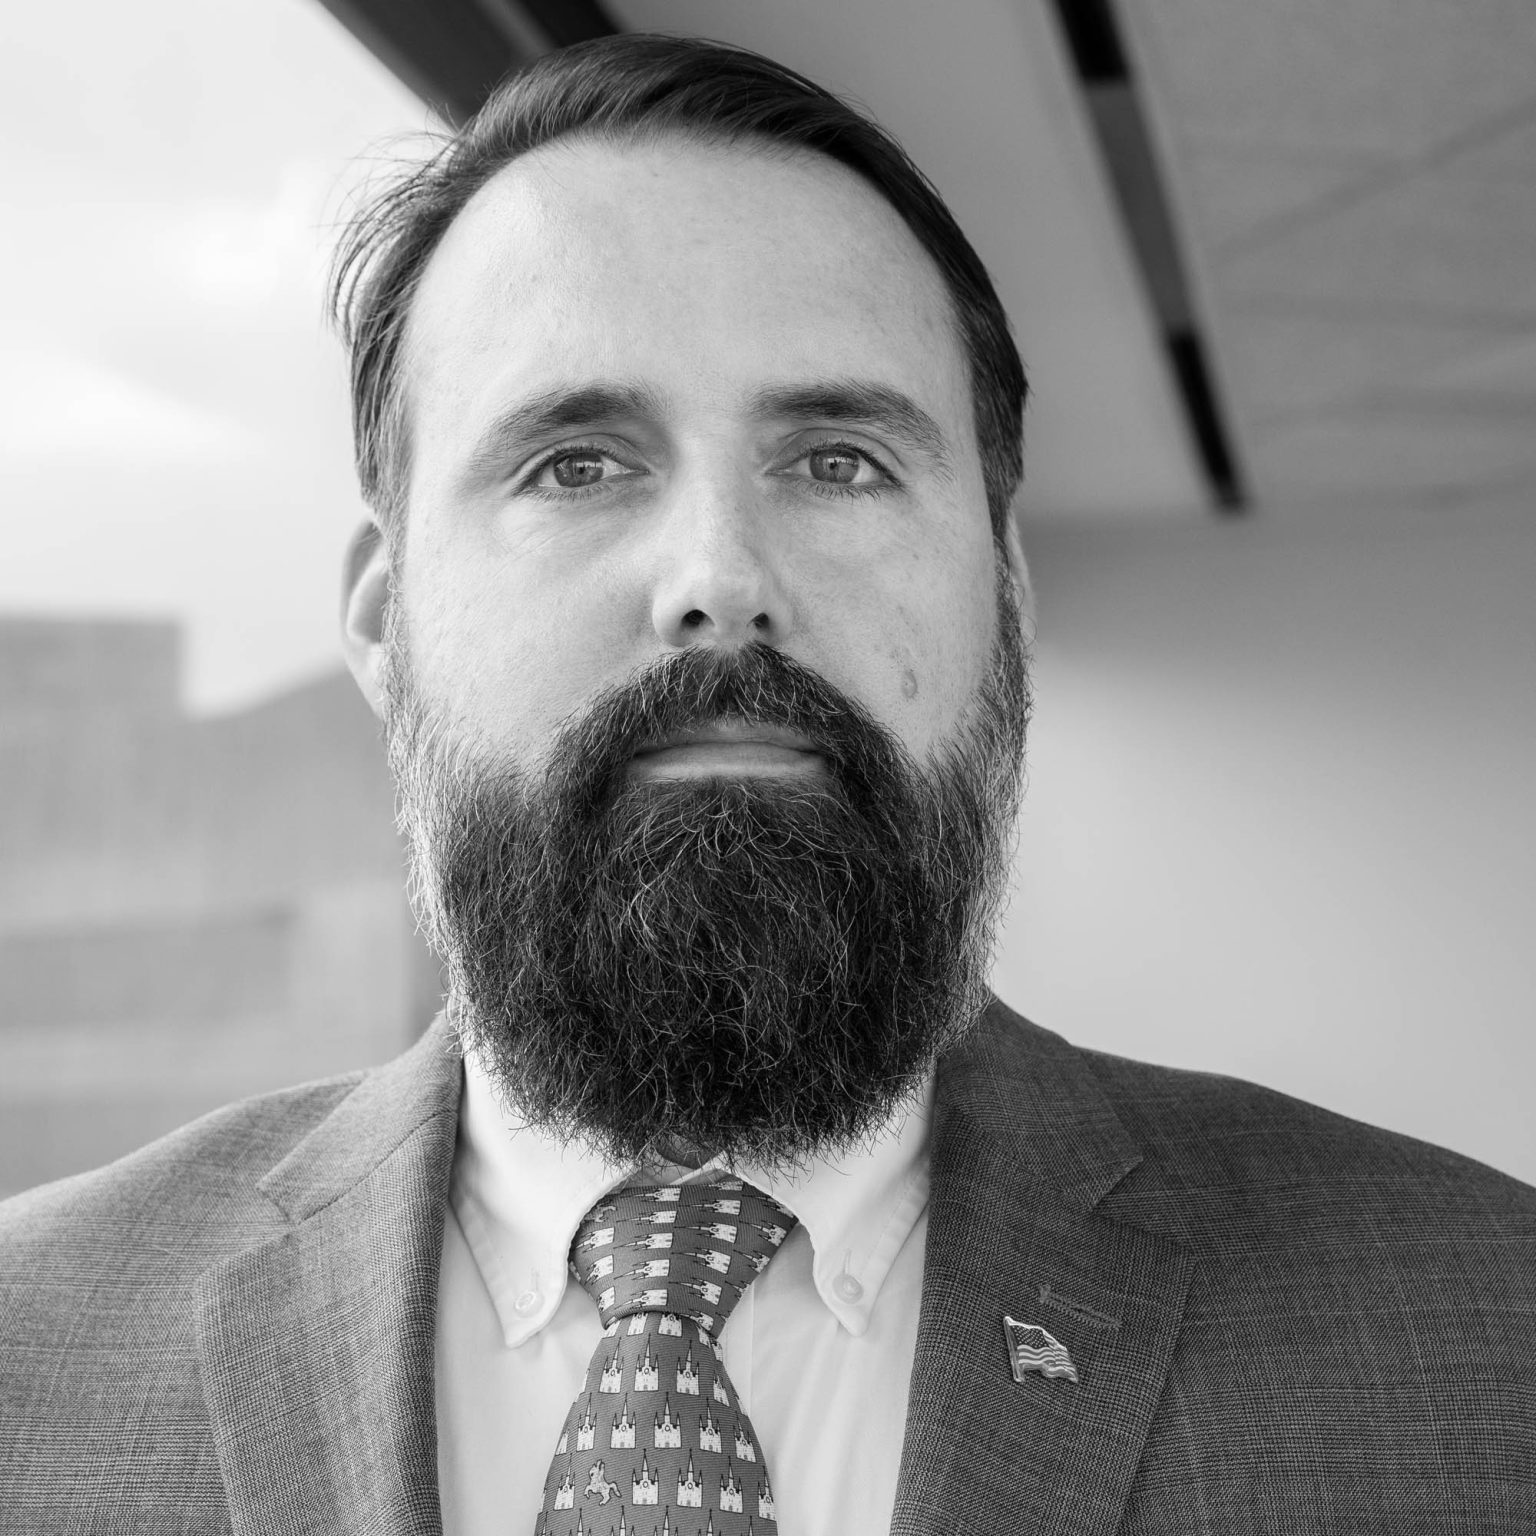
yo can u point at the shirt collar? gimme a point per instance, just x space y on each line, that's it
519 1196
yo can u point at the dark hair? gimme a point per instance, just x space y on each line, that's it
638 85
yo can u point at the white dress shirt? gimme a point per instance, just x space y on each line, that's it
820 1347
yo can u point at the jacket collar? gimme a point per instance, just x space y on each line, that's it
386 1109
317 1347
1026 1147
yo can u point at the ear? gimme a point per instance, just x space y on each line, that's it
1018 569
364 599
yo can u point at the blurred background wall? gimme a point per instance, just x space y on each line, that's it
1272 271
1280 820
191 909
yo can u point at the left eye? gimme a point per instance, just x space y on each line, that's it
576 468
836 464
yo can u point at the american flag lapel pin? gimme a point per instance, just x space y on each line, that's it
1031 1348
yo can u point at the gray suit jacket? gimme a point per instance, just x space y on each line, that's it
1283 1321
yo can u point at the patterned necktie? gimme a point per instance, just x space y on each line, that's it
656 1440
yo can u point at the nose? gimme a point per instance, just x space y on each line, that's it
719 584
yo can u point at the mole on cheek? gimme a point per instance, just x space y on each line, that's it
909 684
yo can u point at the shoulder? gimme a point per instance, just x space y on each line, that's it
1358 1303
1289 1208
98 1317
1221 1148
149 1224
1216 1157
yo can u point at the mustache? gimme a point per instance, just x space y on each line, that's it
694 688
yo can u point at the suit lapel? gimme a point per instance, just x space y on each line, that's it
1025 1147
317 1347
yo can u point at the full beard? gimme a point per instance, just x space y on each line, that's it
759 967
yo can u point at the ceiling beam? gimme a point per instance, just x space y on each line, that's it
452 53
1112 93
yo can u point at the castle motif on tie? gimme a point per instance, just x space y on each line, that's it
730 1491
586 1430
765 1500
669 1433
688 1376
648 1372
721 1395
709 1433
671 1326
690 1490
644 1489
612 1379
622 1435
565 1494
744 1447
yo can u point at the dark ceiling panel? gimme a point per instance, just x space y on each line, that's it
568 21
1111 93
453 52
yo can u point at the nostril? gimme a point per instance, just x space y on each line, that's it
694 618
761 621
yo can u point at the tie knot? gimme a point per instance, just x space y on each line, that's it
688 1250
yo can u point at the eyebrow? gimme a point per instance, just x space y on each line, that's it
555 411
859 403
838 401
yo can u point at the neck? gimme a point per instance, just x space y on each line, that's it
674 1149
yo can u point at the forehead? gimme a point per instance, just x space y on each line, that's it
705 268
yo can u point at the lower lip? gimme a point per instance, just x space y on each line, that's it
728 759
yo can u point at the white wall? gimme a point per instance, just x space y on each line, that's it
1280 820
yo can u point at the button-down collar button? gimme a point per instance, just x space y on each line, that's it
528 1303
847 1288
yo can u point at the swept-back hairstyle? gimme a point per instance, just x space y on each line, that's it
639 86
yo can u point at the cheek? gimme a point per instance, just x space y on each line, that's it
510 642
938 646
505 657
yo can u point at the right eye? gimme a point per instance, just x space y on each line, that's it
576 469
572 470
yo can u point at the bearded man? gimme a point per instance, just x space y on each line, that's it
723 1197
